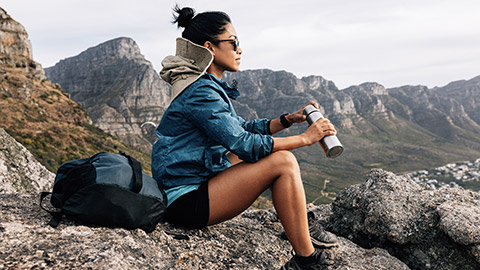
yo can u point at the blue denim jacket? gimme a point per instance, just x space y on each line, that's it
198 129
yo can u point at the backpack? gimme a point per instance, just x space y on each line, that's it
108 190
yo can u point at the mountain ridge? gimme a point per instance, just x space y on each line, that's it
98 78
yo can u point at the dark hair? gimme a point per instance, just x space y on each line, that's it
202 27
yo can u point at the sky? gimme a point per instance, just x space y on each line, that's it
394 43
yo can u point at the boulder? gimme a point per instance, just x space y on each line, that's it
425 228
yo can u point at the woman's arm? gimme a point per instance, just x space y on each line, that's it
207 109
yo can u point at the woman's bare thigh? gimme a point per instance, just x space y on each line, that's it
235 189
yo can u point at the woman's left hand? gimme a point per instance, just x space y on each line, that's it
298 116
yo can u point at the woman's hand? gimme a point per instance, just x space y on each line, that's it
313 134
321 128
298 116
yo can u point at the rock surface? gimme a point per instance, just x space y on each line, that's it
15 47
20 172
249 241
425 228
388 222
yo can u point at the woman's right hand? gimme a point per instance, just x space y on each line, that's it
318 130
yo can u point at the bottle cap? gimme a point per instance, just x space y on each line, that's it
309 109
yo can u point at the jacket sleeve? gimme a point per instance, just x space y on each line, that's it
210 112
259 126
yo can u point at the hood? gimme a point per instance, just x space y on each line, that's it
189 63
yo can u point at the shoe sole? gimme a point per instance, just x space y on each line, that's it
319 244
315 242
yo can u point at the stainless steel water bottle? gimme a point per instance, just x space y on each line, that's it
330 144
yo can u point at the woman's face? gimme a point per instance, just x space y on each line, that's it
225 57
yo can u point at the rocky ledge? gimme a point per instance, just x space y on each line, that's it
388 222
249 241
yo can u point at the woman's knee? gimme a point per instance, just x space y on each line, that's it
286 160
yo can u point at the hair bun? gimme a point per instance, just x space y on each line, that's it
184 17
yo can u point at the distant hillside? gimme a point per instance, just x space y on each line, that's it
38 113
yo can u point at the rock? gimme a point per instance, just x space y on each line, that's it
20 172
15 47
461 221
348 257
426 229
249 241
14 37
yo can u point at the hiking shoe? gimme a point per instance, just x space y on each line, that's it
320 262
320 238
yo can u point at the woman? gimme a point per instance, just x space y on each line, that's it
212 163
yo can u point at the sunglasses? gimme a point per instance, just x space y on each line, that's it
234 42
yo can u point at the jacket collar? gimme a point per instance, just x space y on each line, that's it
232 91
190 62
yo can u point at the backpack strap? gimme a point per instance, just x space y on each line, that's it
56 216
42 197
56 219
137 173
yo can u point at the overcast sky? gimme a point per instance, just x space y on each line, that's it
394 43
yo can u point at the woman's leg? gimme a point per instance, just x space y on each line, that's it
235 189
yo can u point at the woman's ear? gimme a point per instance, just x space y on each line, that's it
209 45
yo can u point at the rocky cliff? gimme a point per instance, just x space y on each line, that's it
249 241
15 47
447 112
451 111
400 129
118 88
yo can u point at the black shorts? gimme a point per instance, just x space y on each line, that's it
191 210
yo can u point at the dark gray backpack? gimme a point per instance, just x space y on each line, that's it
108 190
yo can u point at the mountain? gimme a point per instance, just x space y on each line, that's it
117 87
401 129
452 111
38 113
